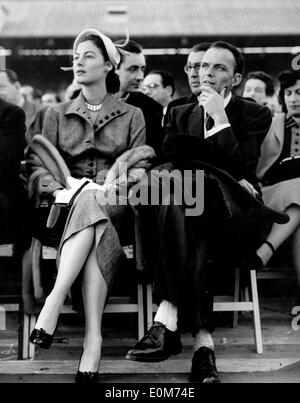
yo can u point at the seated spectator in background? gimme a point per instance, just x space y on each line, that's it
31 94
159 85
260 87
131 73
10 90
191 69
50 98
279 169
12 193
72 91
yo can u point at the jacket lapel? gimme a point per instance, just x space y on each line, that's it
110 109
196 122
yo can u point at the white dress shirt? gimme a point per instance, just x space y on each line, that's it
216 129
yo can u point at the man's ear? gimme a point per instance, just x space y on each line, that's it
17 85
169 89
237 79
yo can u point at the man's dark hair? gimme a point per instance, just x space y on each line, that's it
201 47
166 78
239 59
286 80
11 75
131 47
265 78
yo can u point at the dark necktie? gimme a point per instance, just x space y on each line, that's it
209 123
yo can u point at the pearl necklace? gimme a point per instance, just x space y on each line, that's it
94 108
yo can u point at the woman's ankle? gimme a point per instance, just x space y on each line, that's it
90 358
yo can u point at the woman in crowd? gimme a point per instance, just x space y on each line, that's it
90 133
279 169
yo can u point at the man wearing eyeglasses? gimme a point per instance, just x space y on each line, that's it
159 85
191 69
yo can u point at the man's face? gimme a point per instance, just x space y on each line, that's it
131 72
49 99
255 89
218 70
8 91
153 87
292 100
192 70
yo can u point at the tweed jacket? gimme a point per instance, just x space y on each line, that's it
272 146
88 149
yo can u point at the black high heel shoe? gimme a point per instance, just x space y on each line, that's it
41 338
86 376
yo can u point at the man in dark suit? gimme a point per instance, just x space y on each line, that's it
10 90
235 128
12 144
131 74
191 69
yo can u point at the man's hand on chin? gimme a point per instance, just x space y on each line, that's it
213 104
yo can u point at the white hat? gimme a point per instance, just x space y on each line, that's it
113 51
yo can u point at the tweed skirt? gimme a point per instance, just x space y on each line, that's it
282 195
89 210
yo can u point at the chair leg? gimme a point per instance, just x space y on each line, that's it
236 297
140 311
25 336
32 322
20 331
256 314
149 305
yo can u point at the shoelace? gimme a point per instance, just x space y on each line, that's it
152 333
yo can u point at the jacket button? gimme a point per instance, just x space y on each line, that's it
90 172
113 114
91 164
106 117
101 122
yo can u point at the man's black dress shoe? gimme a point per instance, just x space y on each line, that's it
41 338
204 368
157 345
86 377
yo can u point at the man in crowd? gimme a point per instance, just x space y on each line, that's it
159 85
12 194
236 128
260 87
191 69
131 73
10 90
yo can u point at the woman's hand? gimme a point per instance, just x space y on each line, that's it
250 188
55 193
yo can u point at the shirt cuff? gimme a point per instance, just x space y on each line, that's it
217 129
